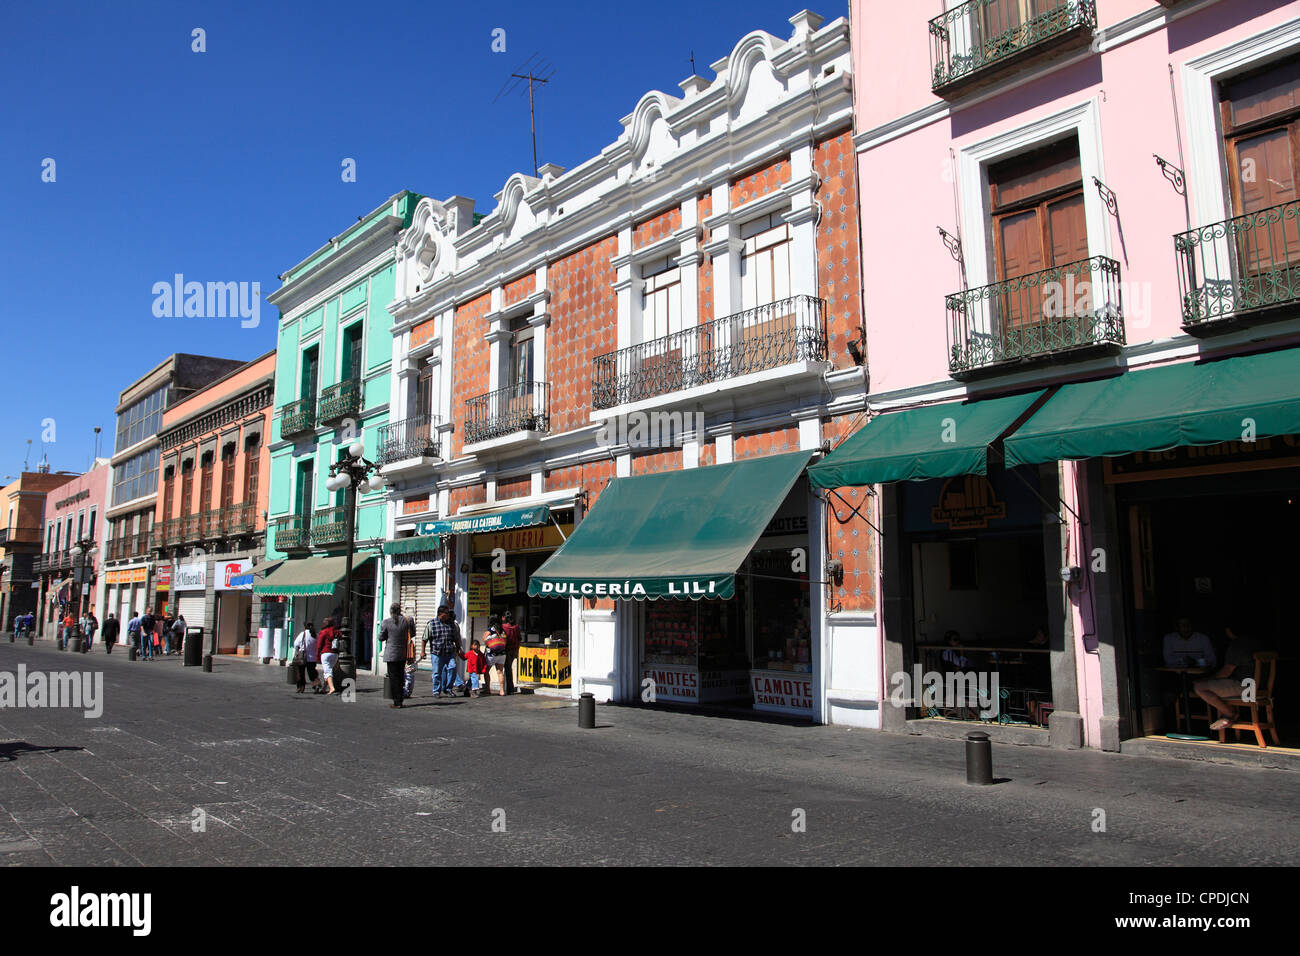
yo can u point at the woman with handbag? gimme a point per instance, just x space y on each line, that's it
329 643
494 641
305 657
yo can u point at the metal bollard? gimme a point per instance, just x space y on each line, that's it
132 652
586 712
31 638
979 759
207 663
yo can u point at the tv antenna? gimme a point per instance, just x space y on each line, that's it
536 69
28 457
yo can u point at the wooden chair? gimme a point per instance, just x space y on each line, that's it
1265 676
1198 712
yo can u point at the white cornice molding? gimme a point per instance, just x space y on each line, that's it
378 244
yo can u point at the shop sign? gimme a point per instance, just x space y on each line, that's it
479 601
482 524
113 577
677 685
537 538
164 577
1190 460
505 582
545 665
774 692
226 573
968 503
138 575
191 577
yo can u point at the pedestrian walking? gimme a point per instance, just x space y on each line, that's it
178 633
133 633
111 627
329 643
513 639
305 657
148 639
442 637
395 632
89 625
475 668
69 628
494 643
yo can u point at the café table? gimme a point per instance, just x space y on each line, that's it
1183 673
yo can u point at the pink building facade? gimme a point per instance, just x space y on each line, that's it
1065 201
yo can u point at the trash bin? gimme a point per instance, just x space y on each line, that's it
193 646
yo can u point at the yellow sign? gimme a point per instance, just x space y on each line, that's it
544 665
480 595
113 577
139 575
506 582
542 537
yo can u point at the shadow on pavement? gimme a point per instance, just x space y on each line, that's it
10 750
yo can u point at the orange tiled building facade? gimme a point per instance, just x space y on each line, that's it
722 222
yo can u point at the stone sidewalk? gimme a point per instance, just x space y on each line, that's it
278 778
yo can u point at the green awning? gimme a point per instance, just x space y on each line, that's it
1253 396
487 522
934 441
413 545
679 534
299 577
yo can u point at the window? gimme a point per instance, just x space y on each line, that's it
135 477
81 525
305 489
90 527
205 483
424 391
227 475
1038 223
252 451
169 490
310 373
1261 123
141 420
519 368
661 299
187 487
765 261
351 370
49 538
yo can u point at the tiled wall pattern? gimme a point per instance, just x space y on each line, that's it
838 275
758 444
652 462
584 324
851 541
423 332
762 181
657 227
514 487
471 375
415 506
590 477
520 288
469 495
708 453
704 209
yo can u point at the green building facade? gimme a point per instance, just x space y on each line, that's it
332 388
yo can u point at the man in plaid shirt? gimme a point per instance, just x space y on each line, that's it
443 634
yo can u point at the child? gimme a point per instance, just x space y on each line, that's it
475 665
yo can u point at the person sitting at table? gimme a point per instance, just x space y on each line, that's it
953 655
1188 648
1039 639
1238 665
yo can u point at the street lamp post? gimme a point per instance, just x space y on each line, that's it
80 552
356 474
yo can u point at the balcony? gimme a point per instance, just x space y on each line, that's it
329 526
191 529
240 519
172 532
525 407
767 337
292 533
211 525
1041 317
20 536
298 417
1240 269
338 401
414 437
977 43
117 549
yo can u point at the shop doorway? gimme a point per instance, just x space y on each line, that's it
1219 552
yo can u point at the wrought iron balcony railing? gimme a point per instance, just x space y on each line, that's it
1241 265
241 518
20 535
329 526
769 336
140 544
191 528
298 417
292 532
516 408
339 401
119 548
1076 305
172 531
414 437
976 36
210 523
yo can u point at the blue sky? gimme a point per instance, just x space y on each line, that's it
225 165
